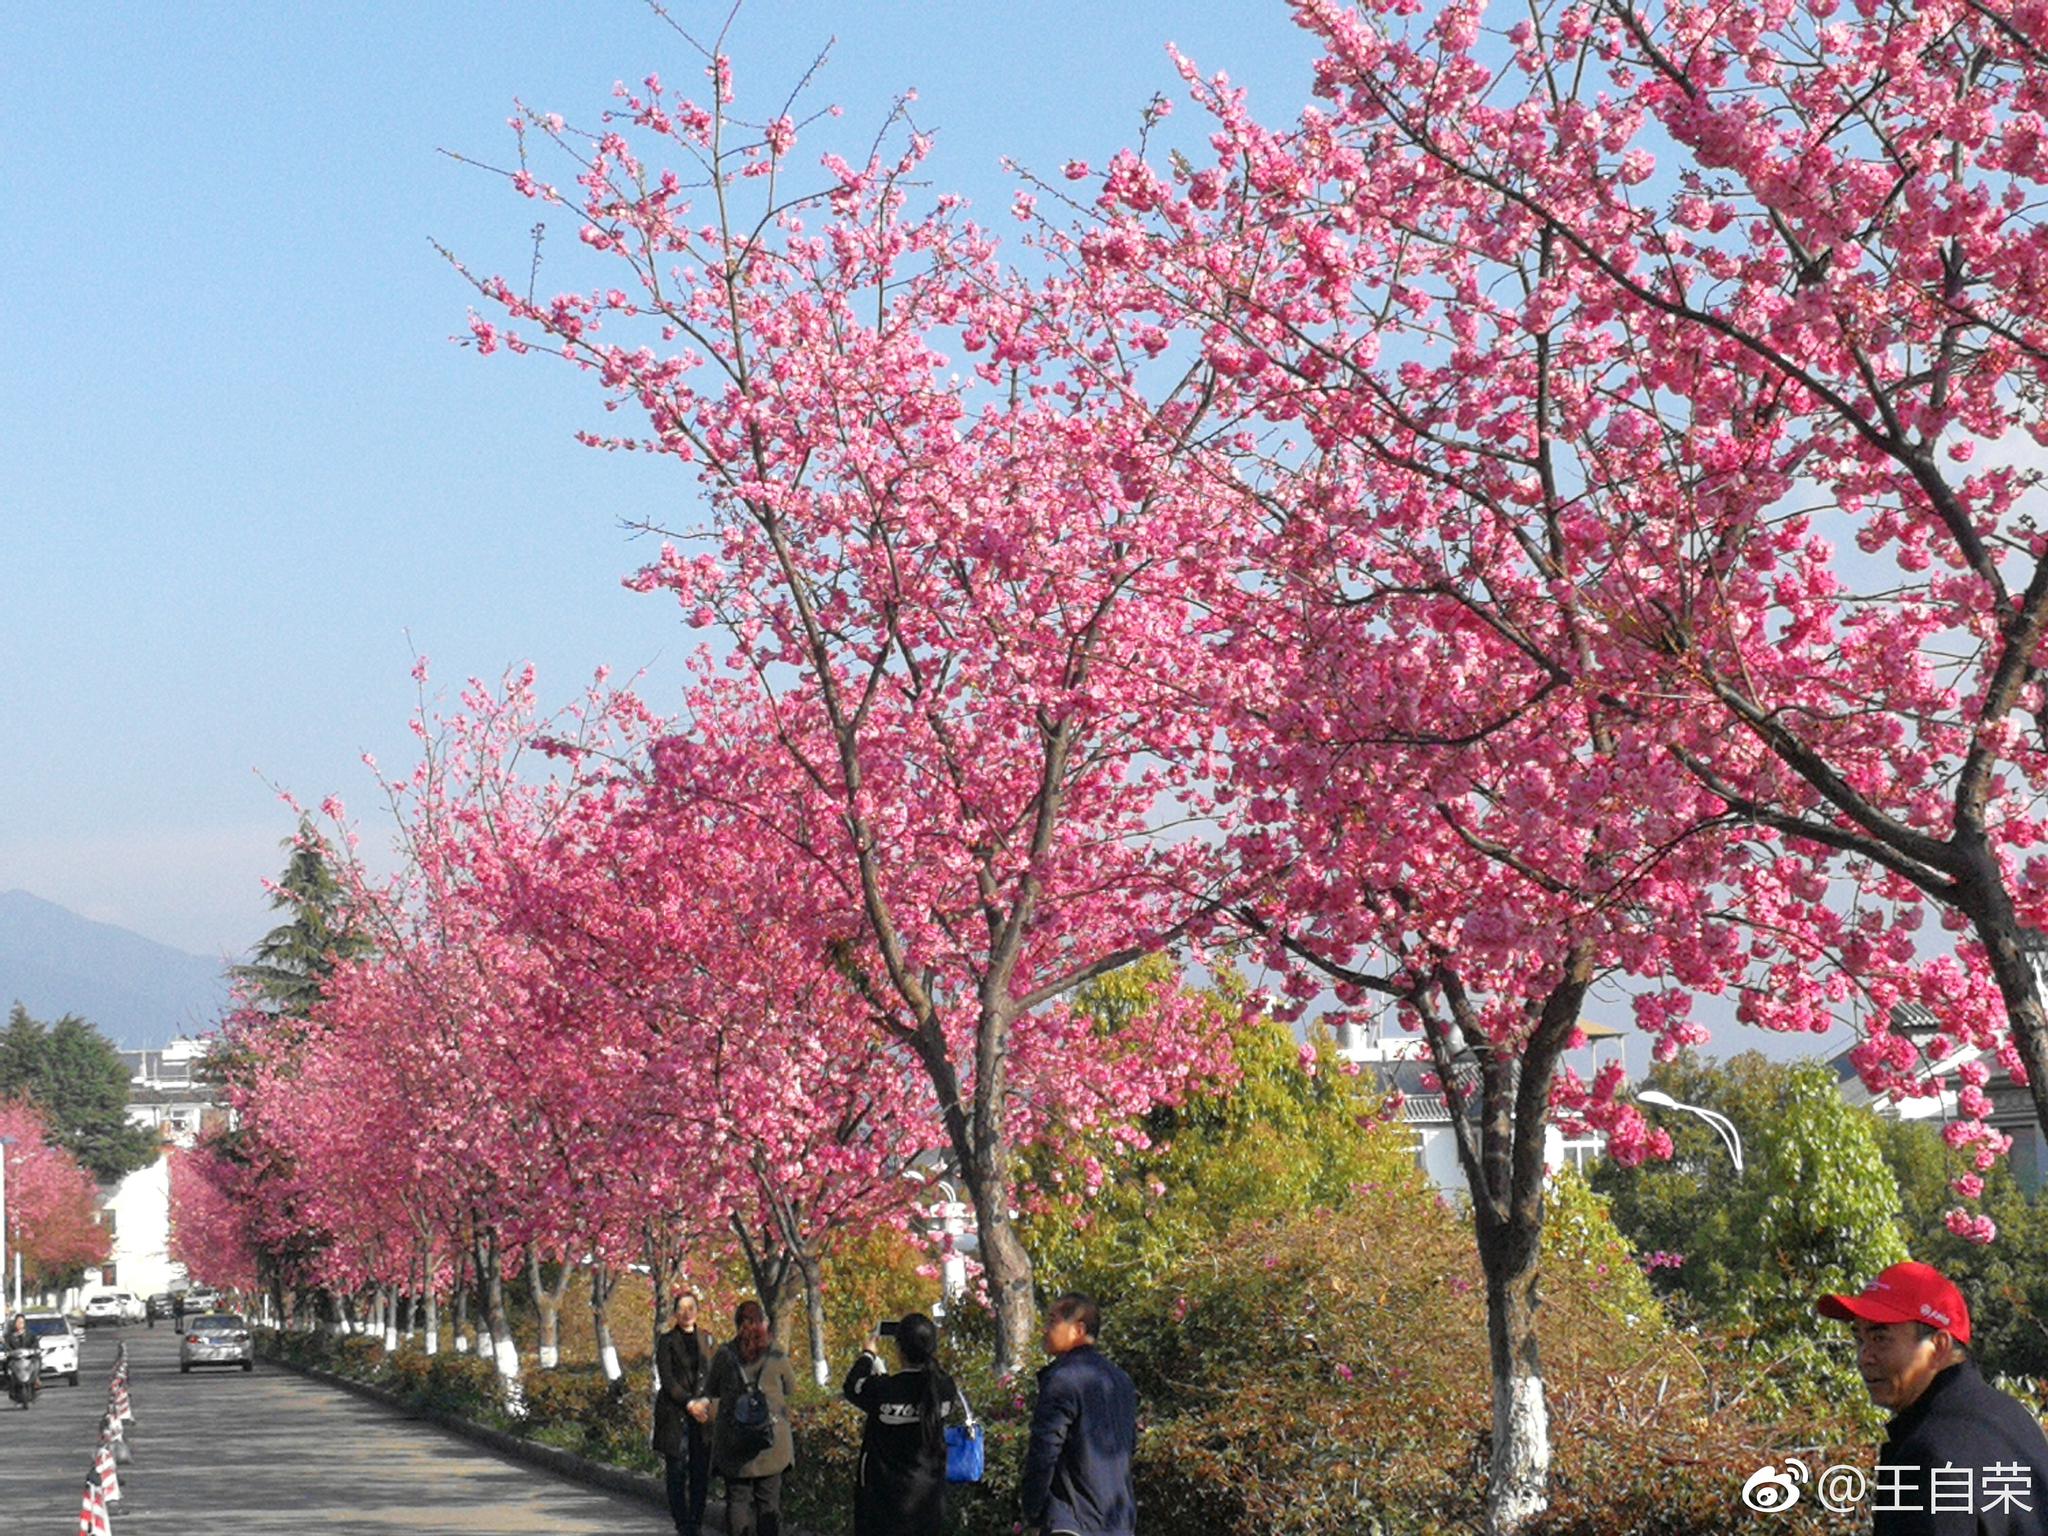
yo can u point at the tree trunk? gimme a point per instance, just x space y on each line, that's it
1006 1267
601 1283
394 1304
813 1274
782 1301
1520 1472
1988 904
491 1266
547 1302
462 1309
433 1321
1503 1161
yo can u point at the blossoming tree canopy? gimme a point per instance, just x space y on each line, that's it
1690 351
963 608
210 1232
51 1199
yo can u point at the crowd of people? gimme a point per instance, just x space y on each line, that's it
724 1409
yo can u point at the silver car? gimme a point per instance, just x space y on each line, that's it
216 1338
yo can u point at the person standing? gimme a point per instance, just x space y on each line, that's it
1084 1430
682 1365
1960 1457
747 1399
901 1490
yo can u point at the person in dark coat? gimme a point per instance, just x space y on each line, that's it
753 1484
901 1489
682 1414
1960 1457
1084 1430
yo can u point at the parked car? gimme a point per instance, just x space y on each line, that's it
107 1307
160 1305
58 1342
216 1338
202 1298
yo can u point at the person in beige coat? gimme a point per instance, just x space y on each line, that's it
753 1474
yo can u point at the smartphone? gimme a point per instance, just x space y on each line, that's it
886 1330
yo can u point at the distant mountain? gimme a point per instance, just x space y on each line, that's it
140 994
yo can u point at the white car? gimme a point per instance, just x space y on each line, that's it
115 1307
58 1342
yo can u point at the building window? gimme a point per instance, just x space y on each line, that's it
2028 1158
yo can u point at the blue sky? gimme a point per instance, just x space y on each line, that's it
244 473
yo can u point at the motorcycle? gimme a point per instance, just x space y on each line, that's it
24 1375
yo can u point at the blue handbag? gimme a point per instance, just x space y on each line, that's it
964 1454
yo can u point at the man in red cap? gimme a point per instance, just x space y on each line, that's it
1960 1457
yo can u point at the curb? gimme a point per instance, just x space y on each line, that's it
565 1464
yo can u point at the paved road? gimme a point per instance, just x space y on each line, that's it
272 1454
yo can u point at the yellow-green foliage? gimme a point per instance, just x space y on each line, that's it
1584 1250
869 1279
1278 1139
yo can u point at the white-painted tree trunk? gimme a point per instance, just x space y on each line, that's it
613 1371
508 1377
433 1345
550 1357
1521 1460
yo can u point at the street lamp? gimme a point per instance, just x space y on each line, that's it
1723 1126
5 1143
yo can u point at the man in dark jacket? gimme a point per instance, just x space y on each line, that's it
1077 1472
682 1364
1960 1457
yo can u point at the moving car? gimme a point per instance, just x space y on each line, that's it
115 1307
216 1338
160 1305
58 1343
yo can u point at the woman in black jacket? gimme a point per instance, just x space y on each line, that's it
902 1486
682 1366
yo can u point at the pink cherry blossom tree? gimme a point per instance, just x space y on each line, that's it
1570 347
51 1199
960 610
210 1233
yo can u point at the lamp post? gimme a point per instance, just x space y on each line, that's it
1723 1126
5 1143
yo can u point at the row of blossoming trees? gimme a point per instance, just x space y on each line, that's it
1557 512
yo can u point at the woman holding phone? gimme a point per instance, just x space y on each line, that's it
901 1490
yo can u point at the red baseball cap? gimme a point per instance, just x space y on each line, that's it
1905 1293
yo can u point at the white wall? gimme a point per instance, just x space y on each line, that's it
140 1209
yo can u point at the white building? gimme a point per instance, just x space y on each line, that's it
2012 1109
168 1091
137 1212
1400 1062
